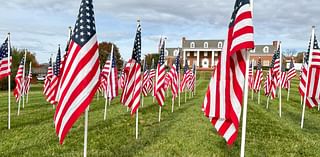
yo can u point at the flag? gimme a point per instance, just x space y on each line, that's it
123 76
167 81
131 93
28 81
258 77
250 76
54 84
18 90
283 78
275 73
160 76
313 88
80 76
145 79
186 76
192 78
5 69
223 100
174 76
267 83
112 79
152 76
292 71
48 79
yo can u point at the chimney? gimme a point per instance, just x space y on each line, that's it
275 44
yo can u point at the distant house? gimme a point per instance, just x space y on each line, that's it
205 53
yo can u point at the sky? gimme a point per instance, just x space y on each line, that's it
40 26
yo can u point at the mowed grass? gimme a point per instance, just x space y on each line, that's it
185 132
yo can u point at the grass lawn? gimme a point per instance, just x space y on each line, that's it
186 132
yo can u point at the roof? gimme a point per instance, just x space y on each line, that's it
263 49
200 44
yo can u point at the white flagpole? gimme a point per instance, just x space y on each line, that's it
19 106
137 123
305 92
29 83
85 132
245 105
280 82
195 82
172 104
160 114
268 99
142 100
9 82
23 77
288 96
245 102
259 98
107 92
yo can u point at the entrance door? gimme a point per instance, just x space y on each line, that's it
205 63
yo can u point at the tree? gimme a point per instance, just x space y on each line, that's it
149 58
104 54
299 58
17 55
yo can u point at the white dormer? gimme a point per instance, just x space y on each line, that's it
192 45
253 50
176 52
205 45
266 49
220 44
166 53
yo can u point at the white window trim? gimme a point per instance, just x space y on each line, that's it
206 45
220 45
192 45
266 49
205 54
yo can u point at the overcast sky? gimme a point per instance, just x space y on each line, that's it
40 25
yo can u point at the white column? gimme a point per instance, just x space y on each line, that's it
198 58
212 59
184 57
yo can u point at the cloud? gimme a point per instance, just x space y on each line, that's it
41 25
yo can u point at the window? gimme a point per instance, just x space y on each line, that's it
220 45
192 45
205 45
188 62
266 49
253 50
188 54
166 53
205 54
175 52
195 54
265 63
216 54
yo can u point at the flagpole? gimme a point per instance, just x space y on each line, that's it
142 100
267 107
245 105
305 92
245 102
29 82
160 113
172 104
259 98
23 76
288 96
9 81
179 86
195 82
280 96
105 109
85 132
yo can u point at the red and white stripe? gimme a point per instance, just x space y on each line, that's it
284 80
5 69
257 81
112 85
173 75
160 84
185 80
19 83
145 83
223 100
47 81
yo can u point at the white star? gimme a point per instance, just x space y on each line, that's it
81 21
89 33
88 27
88 14
76 36
87 8
81 15
81 27
82 40
88 20
81 33
87 2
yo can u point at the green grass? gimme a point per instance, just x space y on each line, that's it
186 132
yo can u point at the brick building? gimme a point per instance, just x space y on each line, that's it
205 53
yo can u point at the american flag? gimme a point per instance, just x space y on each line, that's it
80 76
48 79
292 71
186 76
275 73
18 90
192 78
283 78
5 69
258 77
152 76
267 83
250 76
132 90
311 84
28 81
113 79
54 84
223 100
123 75
160 76
167 81
145 79
174 76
